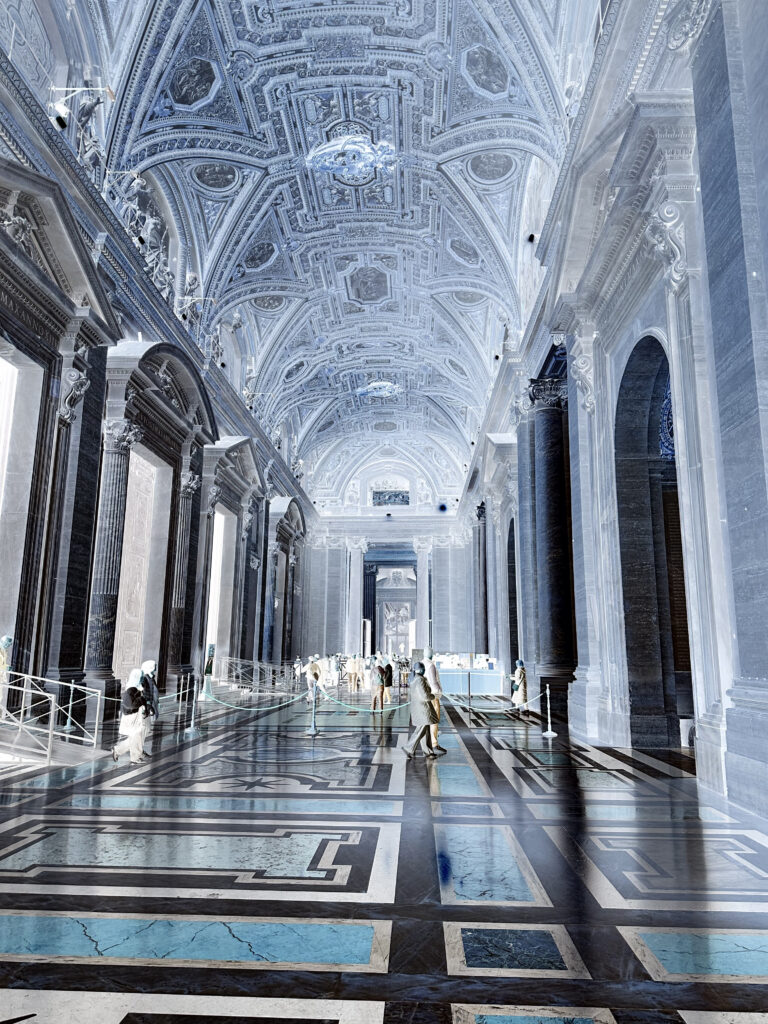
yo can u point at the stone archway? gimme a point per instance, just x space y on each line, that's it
653 580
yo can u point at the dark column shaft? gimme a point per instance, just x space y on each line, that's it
553 563
119 437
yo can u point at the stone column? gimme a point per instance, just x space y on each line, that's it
423 547
353 637
370 572
480 582
269 600
492 524
119 438
553 562
293 561
188 487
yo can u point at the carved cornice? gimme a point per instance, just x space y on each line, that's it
549 392
120 436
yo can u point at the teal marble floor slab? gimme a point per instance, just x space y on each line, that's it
459 809
633 812
206 942
456 780
701 954
485 864
276 805
530 1015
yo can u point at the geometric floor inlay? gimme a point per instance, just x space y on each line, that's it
512 951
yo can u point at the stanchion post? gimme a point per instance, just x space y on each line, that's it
312 731
549 734
469 697
69 725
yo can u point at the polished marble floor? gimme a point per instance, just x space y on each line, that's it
251 873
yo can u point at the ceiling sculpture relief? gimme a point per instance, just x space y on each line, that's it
347 185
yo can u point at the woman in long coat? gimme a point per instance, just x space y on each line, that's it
423 713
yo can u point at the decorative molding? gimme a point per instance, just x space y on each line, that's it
549 392
357 544
422 545
687 20
214 493
664 235
120 436
189 484
254 562
76 384
582 370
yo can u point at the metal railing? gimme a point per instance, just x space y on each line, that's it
22 710
36 706
253 675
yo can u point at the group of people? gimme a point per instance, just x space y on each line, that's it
139 707
376 674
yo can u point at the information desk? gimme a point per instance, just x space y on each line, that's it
476 680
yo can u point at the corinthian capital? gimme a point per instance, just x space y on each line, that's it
357 544
550 392
120 436
189 484
422 545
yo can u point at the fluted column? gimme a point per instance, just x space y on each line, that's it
188 487
353 635
119 438
293 561
553 563
492 523
269 600
480 582
423 547
370 572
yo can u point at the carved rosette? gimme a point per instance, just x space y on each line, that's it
549 392
582 371
686 22
120 436
75 386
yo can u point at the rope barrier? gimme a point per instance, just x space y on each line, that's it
272 707
371 711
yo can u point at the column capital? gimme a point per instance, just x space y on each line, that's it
422 545
549 392
357 544
189 484
120 436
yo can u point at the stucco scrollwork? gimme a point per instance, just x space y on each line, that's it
582 370
75 385
664 232
214 493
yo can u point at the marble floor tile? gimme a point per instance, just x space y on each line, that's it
485 864
205 942
246 805
512 951
701 954
268 860
671 868
480 1014
456 780
461 809
117 1007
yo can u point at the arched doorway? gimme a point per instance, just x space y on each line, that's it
653 580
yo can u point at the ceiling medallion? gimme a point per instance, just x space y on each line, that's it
351 155
380 389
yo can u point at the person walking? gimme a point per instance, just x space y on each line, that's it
520 686
148 683
423 714
377 686
133 708
387 681
433 680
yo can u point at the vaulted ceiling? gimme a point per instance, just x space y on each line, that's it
355 184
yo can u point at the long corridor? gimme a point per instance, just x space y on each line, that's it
328 879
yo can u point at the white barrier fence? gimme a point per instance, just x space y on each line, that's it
254 675
34 712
